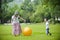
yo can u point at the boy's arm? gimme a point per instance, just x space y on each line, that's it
49 21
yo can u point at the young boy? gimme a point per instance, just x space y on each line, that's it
47 27
16 25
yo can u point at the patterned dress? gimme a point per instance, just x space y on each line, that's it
16 30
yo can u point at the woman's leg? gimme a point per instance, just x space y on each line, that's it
14 29
18 29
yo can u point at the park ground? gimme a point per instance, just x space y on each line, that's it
38 32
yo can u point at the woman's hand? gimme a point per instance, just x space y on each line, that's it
24 21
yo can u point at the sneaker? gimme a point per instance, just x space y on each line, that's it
50 34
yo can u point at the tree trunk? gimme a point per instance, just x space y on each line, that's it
0 10
57 18
1 19
53 21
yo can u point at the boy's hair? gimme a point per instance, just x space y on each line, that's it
46 19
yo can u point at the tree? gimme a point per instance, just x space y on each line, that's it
2 8
33 11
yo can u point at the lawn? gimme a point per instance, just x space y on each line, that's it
38 32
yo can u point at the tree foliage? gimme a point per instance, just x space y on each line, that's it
33 11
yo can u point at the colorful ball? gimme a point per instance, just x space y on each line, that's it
27 31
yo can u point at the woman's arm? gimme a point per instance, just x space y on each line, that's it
22 18
12 19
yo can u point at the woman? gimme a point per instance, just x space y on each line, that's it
16 25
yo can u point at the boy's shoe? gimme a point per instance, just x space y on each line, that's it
50 34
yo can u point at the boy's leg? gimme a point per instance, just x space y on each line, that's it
50 33
47 31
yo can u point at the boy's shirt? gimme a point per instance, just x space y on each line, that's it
47 24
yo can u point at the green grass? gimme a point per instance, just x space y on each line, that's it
38 32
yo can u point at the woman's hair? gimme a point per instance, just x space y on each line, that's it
16 12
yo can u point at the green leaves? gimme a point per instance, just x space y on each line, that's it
35 11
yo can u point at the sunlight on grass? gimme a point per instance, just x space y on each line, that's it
38 32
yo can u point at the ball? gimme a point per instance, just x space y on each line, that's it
27 31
